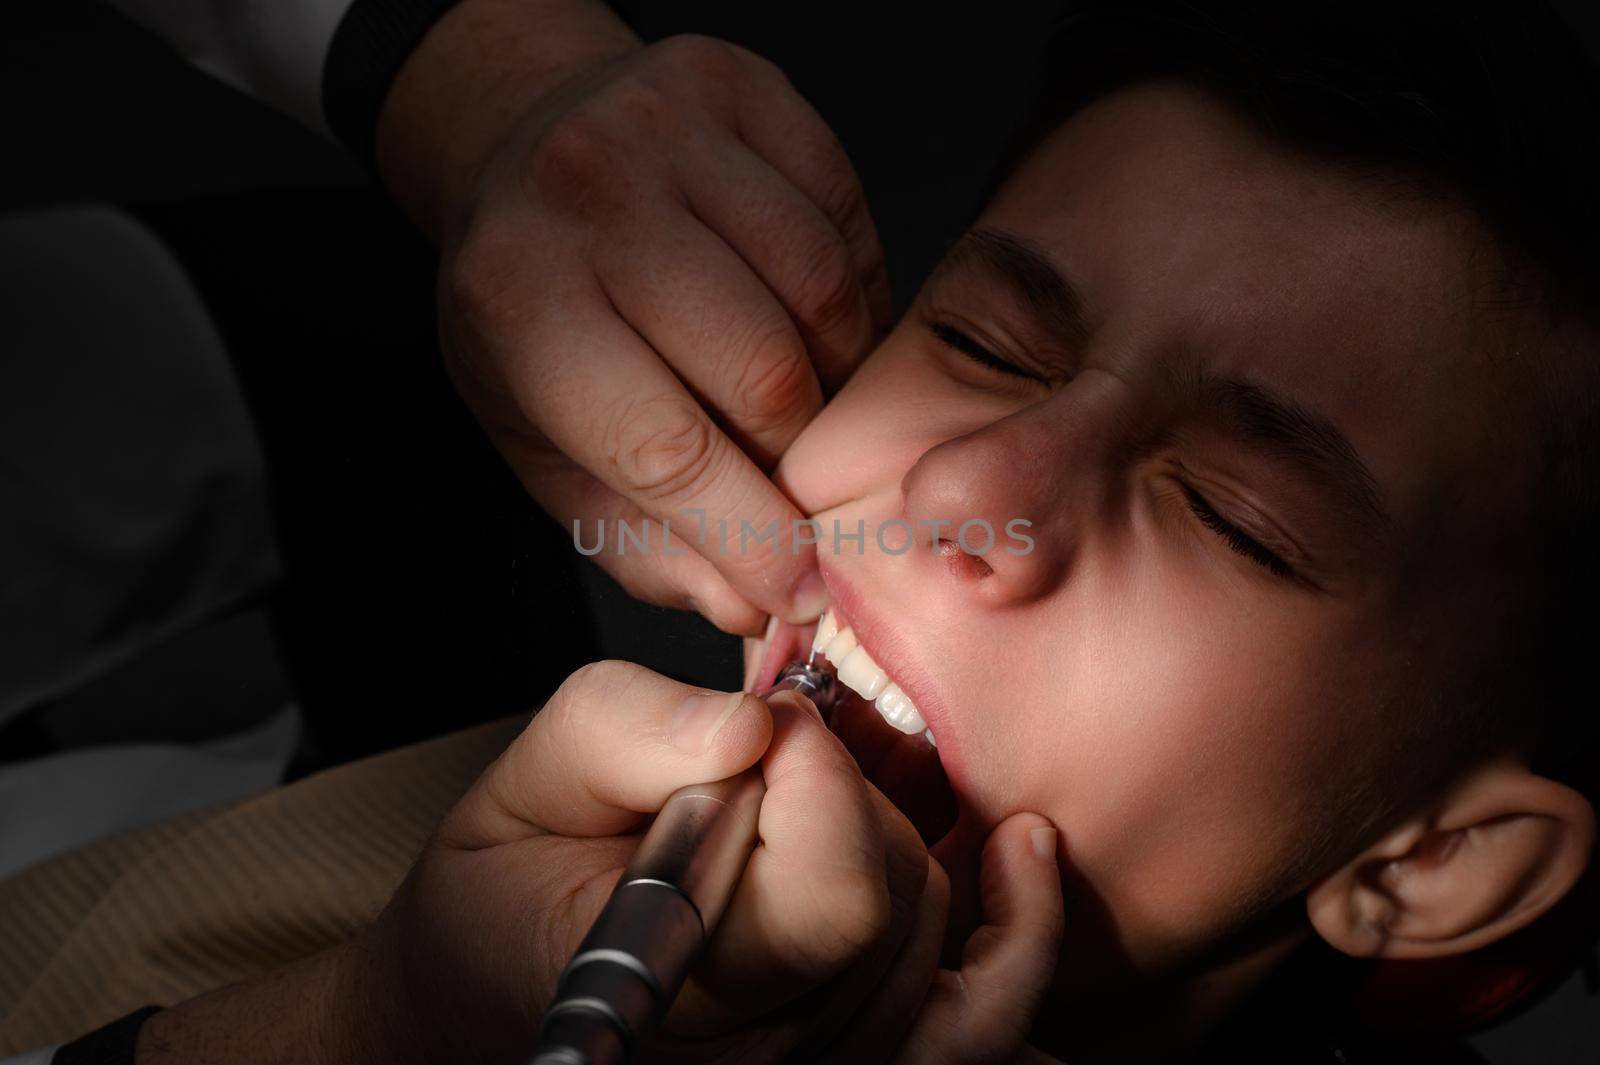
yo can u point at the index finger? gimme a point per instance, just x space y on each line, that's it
605 398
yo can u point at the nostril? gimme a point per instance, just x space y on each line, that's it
961 562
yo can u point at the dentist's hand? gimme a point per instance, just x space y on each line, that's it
828 951
467 954
656 261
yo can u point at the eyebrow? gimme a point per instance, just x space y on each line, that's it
1288 430
1029 273
1272 422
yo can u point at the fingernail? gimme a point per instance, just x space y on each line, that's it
797 700
810 598
1044 842
700 717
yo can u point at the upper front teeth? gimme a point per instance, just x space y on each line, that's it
857 671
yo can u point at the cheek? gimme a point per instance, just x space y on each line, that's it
1188 727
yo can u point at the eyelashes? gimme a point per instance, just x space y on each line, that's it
1237 539
960 342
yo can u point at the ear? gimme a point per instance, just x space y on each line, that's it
1494 853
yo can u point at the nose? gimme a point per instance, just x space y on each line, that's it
1006 506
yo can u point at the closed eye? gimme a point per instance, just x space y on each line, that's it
1237 539
958 341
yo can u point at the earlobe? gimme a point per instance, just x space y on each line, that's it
1488 858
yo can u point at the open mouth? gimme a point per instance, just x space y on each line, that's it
838 643
878 723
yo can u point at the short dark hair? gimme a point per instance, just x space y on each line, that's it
1496 101
1493 103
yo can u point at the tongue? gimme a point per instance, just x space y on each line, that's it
905 768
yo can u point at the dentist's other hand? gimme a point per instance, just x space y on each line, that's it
828 951
656 260
467 954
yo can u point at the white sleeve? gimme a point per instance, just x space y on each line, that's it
272 49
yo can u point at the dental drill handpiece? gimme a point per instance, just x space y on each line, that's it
663 910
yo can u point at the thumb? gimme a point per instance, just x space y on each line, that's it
611 745
983 1012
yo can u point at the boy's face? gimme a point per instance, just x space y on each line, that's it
1260 434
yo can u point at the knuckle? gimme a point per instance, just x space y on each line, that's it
561 705
840 198
859 914
661 447
582 706
774 384
480 280
641 103
828 293
726 611
571 160
592 679
909 868
905 895
706 55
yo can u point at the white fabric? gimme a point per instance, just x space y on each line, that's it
53 804
271 49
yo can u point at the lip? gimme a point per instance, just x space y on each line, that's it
898 657
784 643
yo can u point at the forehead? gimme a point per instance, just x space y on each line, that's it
1189 232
